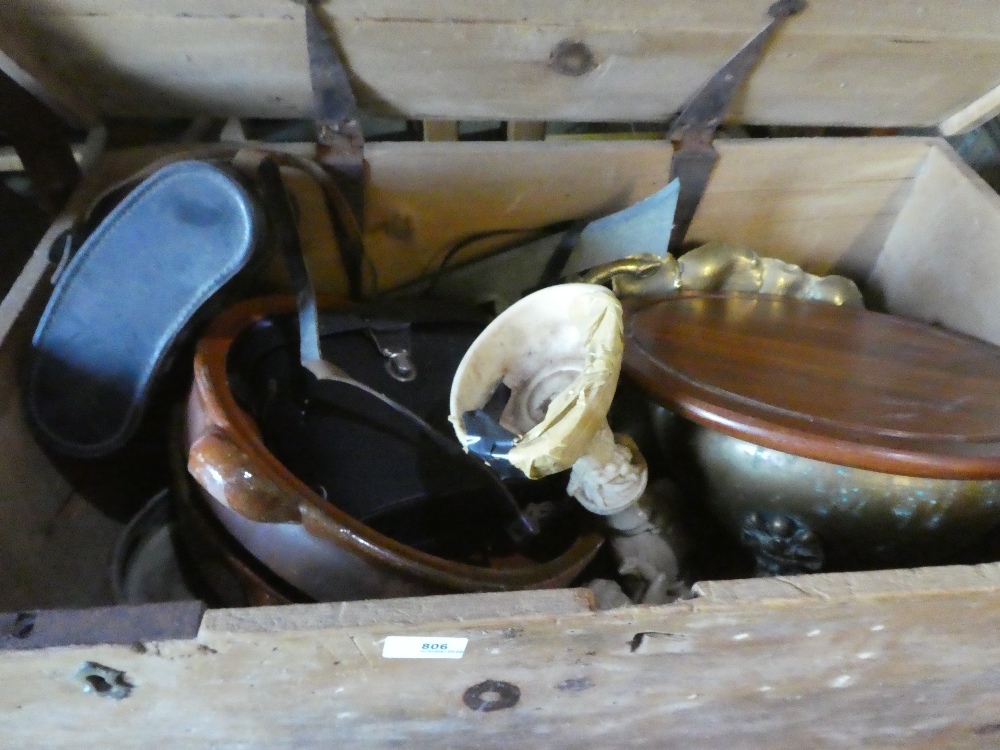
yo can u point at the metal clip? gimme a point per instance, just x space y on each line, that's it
394 345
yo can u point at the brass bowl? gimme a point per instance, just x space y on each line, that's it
799 514
302 537
829 436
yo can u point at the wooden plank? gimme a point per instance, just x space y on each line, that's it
911 671
961 18
826 203
839 63
232 131
814 163
828 587
440 130
425 198
972 116
522 130
840 228
414 611
940 262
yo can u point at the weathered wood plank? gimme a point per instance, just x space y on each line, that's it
520 130
975 114
940 261
909 17
839 63
829 669
827 203
413 611
824 203
828 587
440 130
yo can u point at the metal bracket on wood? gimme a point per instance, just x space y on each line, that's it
340 140
694 129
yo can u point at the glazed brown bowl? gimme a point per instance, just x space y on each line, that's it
302 537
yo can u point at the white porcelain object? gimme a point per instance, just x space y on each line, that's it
559 350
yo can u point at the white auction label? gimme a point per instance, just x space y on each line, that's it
423 647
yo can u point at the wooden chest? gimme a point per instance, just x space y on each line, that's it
901 658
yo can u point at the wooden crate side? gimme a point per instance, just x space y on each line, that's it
910 656
941 263
888 659
423 199
826 203
40 549
840 63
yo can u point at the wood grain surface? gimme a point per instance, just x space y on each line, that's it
841 62
837 384
889 660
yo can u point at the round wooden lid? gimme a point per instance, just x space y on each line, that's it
843 385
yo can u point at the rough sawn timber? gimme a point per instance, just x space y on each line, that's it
842 62
891 659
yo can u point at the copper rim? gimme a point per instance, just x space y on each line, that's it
321 517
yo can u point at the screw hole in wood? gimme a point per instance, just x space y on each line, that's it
572 58
21 627
491 695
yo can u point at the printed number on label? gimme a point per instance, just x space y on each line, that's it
419 647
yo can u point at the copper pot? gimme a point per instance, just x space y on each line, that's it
300 536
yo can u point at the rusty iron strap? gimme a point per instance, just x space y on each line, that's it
694 129
340 142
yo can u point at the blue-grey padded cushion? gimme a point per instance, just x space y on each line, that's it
125 298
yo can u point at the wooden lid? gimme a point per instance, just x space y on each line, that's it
837 384
840 62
